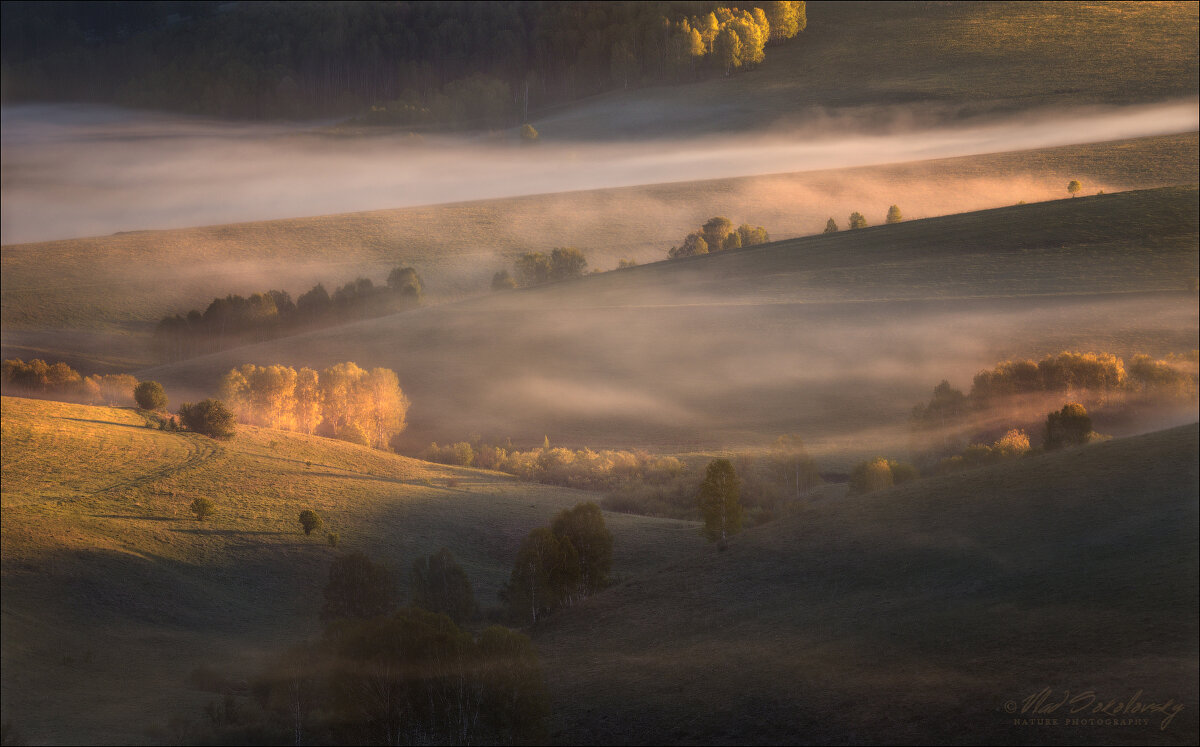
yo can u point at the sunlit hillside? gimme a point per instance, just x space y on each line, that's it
834 337
114 593
928 613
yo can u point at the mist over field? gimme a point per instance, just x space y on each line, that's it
73 171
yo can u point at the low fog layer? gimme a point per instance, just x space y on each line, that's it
71 171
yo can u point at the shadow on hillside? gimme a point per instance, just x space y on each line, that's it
135 518
101 422
230 532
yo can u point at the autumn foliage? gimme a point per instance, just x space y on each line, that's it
343 401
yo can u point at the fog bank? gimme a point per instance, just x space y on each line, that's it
72 171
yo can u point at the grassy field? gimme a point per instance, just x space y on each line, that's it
912 615
899 62
834 337
93 301
114 593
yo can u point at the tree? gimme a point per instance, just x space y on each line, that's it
533 268
358 587
752 235
439 584
386 406
719 500
728 48
149 395
566 262
544 575
791 464
503 281
584 526
714 231
871 475
785 19
311 521
309 399
857 220
202 508
893 215
1073 187
528 134
1070 426
693 244
208 417
831 226
405 282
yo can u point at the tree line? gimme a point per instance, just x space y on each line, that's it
1069 372
342 401
718 234
61 382
858 220
414 64
640 482
237 320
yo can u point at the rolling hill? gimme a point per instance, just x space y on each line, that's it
925 614
114 593
93 301
834 337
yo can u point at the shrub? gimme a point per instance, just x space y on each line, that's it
333 539
209 417
872 475
202 508
149 395
311 521
1070 426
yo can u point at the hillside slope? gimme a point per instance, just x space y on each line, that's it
114 593
115 287
896 62
912 615
829 336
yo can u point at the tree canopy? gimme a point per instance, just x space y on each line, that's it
149 395
209 417
439 584
719 499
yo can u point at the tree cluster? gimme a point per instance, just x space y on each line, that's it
719 234
560 564
59 381
413 64
343 401
236 320
1068 372
879 473
381 675
574 468
536 268
1012 445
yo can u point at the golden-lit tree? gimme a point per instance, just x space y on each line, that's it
385 406
343 406
309 400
